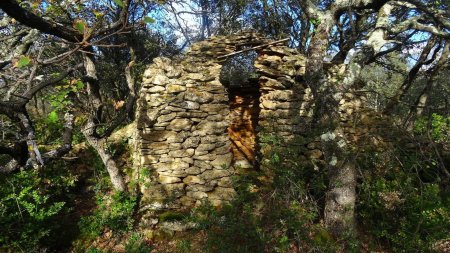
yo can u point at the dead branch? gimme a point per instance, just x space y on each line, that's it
252 48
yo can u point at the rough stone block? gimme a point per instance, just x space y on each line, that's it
215 174
182 153
201 97
193 180
168 179
222 193
222 161
180 124
175 88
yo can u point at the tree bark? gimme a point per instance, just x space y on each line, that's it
90 128
340 199
341 195
100 146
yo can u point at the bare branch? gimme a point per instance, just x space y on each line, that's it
13 9
411 76
413 23
253 48
30 93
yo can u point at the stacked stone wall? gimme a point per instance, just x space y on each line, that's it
184 153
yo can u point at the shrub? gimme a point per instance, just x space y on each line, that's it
137 244
114 212
401 210
29 207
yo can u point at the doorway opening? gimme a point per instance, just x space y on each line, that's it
239 76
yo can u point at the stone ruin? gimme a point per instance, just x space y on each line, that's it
196 128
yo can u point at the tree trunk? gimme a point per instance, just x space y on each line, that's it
340 199
111 166
341 195
89 130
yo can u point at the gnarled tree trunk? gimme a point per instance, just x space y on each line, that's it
89 129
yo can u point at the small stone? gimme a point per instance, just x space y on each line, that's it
174 137
191 105
267 82
187 201
167 117
203 165
207 157
175 190
315 154
225 149
160 80
180 124
150 72
222 161
176 226
214 139
149 159
281 95
215 174
193 180
243 164
172 173
173 72
200 187
198 96
193 171
162 62
205 147
207 128
222 193
182 153
168 179
197 195
214 108
156 89
195 76
191 142
225 182
157 145
218 98
174 88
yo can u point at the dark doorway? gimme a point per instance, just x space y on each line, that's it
239 75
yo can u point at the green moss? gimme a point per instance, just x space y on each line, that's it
172 216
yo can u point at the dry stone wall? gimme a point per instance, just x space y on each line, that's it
184 152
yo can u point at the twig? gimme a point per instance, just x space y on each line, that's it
253 48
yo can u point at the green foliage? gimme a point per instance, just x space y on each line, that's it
23 62
114 213
149 20
49 128
438 126
60 98
269 218
137 244
171 216
80 25
94 250
238 71
401 210
184 246
30 206
118 3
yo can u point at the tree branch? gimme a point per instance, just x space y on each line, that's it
30 93
13 9
413 23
